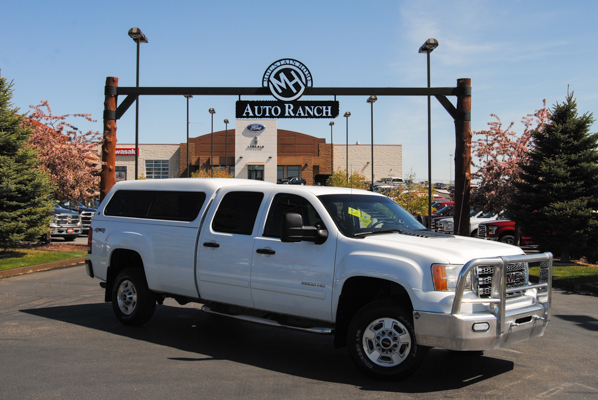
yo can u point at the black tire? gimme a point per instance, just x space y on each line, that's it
132 301
508 239
381 341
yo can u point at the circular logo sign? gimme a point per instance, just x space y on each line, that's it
255 127
287 79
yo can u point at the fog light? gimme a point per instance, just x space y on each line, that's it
481 326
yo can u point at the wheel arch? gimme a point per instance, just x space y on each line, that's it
119 260
359 291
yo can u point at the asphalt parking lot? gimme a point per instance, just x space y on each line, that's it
58 339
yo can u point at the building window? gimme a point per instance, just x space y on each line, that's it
279 172
156 169
120 173
293 170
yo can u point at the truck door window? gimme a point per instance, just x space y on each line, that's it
289 203
237 212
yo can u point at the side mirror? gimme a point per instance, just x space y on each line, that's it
292 230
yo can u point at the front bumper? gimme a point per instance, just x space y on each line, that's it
479 331
66 231
498 326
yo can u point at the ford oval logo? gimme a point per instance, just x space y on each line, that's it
256 127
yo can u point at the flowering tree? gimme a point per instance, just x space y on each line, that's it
67 154
501 153
355 181
216 173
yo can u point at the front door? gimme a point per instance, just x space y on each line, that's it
293 278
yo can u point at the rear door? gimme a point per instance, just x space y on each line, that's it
225 247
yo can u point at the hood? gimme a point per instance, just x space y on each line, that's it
439 248
59 210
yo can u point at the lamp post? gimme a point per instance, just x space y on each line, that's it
188 96
226 145
212 112
347 115
372 99
138 37
427 48
331 148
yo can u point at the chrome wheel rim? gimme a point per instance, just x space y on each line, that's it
386 342
127 297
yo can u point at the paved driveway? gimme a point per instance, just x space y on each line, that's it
59 340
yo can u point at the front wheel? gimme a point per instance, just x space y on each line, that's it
381 342
132 301
508 239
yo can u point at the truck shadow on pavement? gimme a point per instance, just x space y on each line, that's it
213 337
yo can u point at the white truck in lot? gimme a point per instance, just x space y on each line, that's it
326 260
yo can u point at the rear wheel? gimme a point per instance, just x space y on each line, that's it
132 301
381 341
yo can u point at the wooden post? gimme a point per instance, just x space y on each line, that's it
107 176
463 158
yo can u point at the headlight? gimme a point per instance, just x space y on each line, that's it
448 226
445 277
492 230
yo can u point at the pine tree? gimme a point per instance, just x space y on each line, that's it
557 197
24 190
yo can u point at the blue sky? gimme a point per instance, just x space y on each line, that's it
516 53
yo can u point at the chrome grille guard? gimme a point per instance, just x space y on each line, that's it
498 297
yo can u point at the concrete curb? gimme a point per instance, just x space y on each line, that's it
42 267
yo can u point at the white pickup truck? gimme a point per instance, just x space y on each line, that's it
326 260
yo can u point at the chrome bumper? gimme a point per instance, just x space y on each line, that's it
498 327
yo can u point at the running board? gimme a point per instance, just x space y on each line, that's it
322 331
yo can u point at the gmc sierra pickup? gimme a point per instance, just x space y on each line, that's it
321 259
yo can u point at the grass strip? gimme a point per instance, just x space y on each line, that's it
26 257
587 274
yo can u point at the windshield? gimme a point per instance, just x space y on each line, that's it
443 210
362 214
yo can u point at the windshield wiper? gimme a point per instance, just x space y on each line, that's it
362 234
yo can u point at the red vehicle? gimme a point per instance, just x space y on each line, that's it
502 230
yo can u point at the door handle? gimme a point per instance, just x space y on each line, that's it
211 244
265 251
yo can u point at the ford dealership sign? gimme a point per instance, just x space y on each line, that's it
255 127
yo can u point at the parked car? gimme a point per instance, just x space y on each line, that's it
446 225
65 224
502 230
84 211
292 181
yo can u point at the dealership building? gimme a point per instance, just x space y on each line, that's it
257 149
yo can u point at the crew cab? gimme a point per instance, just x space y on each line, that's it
325 260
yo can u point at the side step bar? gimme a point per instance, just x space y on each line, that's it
263 321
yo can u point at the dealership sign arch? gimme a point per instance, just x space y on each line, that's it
287 80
